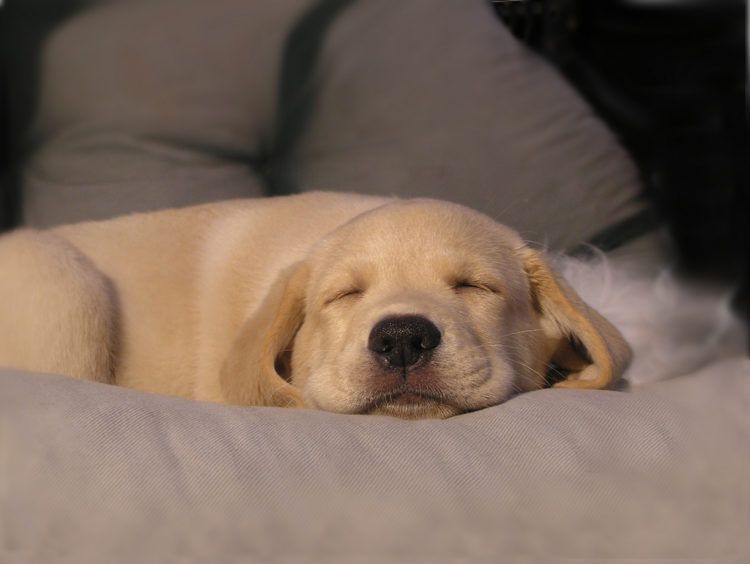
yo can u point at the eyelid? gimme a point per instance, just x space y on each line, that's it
476 285
343 294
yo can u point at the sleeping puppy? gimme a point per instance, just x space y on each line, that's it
350 304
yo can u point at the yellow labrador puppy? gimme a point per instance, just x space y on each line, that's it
351 304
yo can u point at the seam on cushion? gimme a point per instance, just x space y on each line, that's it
618 234
296 94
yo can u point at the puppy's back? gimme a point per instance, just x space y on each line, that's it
185 279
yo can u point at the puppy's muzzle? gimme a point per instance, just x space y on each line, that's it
403 342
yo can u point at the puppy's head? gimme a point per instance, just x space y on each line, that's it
419 309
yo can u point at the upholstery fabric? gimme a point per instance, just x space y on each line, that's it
436 98
93 473
149 104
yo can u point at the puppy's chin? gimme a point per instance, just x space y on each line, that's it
405 407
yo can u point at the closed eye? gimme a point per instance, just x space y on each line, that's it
468 285
344 294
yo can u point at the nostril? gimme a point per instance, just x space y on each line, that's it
380 344
402 341
430 339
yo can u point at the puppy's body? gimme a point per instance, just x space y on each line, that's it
185 280
191 302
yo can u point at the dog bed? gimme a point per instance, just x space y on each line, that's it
101 473
151 104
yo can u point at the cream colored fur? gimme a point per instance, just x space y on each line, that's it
270 302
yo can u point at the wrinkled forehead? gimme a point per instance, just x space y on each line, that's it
419 236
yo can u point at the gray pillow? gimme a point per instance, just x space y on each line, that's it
436 98
93 473
159 103
146 104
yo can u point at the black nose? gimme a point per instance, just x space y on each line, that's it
401 342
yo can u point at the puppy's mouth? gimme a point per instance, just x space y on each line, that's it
411 404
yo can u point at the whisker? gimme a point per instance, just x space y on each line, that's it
534 370
521 332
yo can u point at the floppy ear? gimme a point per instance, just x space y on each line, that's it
580 342
249 375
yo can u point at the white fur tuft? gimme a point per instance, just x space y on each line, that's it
674 326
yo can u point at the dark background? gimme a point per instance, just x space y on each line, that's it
669 77
7 205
